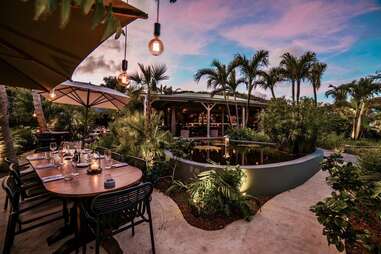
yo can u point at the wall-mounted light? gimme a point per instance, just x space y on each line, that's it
52 94
156 46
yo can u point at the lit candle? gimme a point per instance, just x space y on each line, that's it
94 165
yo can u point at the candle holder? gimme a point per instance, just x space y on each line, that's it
95 167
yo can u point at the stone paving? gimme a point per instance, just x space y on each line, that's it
285 225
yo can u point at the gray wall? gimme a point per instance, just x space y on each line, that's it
261 180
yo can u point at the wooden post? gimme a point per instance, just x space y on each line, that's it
243 117
223 122
173 121
208 108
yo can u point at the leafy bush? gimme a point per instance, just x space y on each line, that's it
217 191
133 137
331 140
247 134
24 139
293 127
356 200
181 147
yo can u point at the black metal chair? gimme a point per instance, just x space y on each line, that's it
114 212
29 188
29 214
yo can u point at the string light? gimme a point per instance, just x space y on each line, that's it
123 77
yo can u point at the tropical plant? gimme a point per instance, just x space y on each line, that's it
315 75
181 147
164 89
361 93
4 124
217 78
293 127
270 79
112 82
339 94
247 134
352 211
217 191
134 138
149 78
252 69
296 69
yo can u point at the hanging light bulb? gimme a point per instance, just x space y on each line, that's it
156 46
34 114
123 77
52 94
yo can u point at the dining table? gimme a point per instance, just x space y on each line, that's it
80 187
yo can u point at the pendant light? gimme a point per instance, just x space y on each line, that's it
156 46
123 77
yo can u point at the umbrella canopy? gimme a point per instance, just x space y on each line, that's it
87 95
38 54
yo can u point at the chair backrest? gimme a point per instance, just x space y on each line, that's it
116 156
42 149
15 173
136 162
13 191
100 149
119 201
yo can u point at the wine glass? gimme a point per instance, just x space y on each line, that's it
53 146
108 155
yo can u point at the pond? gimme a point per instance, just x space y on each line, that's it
242 153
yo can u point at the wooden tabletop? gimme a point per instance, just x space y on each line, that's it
85 185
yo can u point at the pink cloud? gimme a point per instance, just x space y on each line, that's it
313 25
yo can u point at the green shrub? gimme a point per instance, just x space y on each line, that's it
216 192
24 139
181 147
247 134
293 127
331 140
356 200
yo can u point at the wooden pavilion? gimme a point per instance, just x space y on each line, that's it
200 114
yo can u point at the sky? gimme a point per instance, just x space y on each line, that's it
345 34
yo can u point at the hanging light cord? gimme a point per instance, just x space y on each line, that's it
125 39
157 11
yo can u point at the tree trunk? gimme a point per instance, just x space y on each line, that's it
250 88
227 106
293 91
39 112
354 122
359 121
298 91
315 95
148 107
272 92
4 123
236 109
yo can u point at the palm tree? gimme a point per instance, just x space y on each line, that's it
270 79
251 69
297 69
339 94
361 93
315 74
38 111
149 78
217 79
231 88
4 124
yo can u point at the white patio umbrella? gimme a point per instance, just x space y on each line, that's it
86 95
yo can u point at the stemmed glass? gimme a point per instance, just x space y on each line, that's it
53 146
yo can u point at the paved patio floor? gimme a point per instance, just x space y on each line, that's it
285 225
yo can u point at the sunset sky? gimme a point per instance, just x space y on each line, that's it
345 34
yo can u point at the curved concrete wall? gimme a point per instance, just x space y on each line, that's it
261 180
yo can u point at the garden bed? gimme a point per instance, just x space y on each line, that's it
214 222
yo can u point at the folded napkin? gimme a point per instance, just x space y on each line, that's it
35 158
48 165
119 165
52 178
